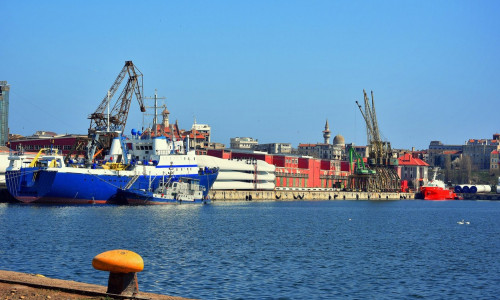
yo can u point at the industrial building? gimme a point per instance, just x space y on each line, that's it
47 139
294 172
4 112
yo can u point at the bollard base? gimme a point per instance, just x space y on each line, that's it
124 284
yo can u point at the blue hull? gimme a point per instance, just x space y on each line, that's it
32 185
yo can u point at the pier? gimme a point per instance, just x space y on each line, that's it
480 196
15 285
284 195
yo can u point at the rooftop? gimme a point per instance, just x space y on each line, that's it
409 160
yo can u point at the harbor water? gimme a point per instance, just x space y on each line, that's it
270 250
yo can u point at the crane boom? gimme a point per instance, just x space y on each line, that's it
102 123
118 115
367 122
379 149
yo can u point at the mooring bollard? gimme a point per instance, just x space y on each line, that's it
123 266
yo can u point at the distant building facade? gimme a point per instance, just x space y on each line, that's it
494 162
320 151
412 169
214 146
4 112
275 148
335 151
436 151
199 135
243 143
362 151
47 139
477 149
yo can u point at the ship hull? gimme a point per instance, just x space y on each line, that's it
437 193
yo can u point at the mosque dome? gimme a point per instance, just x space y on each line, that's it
339 140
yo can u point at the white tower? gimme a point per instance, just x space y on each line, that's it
326 133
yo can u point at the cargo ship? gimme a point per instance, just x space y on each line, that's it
149 160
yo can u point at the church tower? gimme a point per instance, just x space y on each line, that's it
165 114
326 133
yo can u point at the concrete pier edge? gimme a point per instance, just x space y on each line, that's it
298 195
71 287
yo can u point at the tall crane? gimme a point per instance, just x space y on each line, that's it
380 151
385 176
104 123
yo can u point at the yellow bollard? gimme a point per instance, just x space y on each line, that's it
123 266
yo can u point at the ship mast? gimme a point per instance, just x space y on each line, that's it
155 107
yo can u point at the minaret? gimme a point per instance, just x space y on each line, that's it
326 133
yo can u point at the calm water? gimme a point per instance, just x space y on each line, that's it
270 250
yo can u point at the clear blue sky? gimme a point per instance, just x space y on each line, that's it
271 70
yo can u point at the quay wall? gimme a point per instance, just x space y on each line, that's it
480 196
232 195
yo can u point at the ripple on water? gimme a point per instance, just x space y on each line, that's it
271 250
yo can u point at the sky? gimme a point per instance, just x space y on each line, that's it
271 70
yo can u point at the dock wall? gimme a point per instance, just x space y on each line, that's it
480 196
230 195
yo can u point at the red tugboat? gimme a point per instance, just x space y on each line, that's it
437 190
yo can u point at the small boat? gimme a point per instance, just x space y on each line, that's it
185 190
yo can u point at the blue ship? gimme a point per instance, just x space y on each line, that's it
150 162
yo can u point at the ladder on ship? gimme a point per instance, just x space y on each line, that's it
131 182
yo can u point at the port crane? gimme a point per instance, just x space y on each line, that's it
379 153
109 120
103 127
